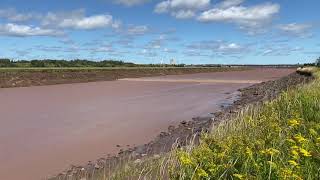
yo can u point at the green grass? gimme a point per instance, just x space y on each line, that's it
279 140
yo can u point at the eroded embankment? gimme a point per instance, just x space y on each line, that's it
180 135
39 77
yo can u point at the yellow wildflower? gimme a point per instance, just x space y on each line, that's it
185 160
294 122
294 147
249 152
300 138
286 173
271 151
293 163
304 152
295 154
202 173
291 141
239 176
313 132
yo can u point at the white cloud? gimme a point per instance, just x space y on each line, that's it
229 47
24 30
247 16
295 29
229 3
147 53
12 15
108 49
195 53
167 50
131 2
217 47
181 8
280 50
92 22
184 14
189 4
78 20
137 30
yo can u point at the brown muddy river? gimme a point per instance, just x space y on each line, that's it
45 129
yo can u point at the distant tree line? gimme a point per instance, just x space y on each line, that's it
48 63
316 63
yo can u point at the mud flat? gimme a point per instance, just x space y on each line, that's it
45 129
21 77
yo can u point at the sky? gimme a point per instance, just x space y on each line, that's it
155 31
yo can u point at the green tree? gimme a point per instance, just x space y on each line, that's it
37 63
318 62
5 63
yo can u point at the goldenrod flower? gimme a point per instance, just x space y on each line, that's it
270 151
294 147
249 151
295 154
291 141
239 176
287 173
202 173
293 163
185 160
300 138
294 122
305 152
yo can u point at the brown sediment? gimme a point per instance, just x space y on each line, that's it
44 129
39 77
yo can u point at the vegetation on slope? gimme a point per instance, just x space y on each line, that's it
279 140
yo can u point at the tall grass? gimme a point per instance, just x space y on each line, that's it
278 140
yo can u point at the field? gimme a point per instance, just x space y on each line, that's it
23 77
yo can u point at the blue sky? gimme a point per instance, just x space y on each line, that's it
154 31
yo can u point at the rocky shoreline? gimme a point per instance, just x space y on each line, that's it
256 93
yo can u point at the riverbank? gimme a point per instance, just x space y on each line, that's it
181 135
278 139
72 123
25 77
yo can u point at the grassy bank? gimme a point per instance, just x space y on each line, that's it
279 140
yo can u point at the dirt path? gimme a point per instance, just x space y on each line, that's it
45 129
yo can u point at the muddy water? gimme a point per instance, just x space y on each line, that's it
45 129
